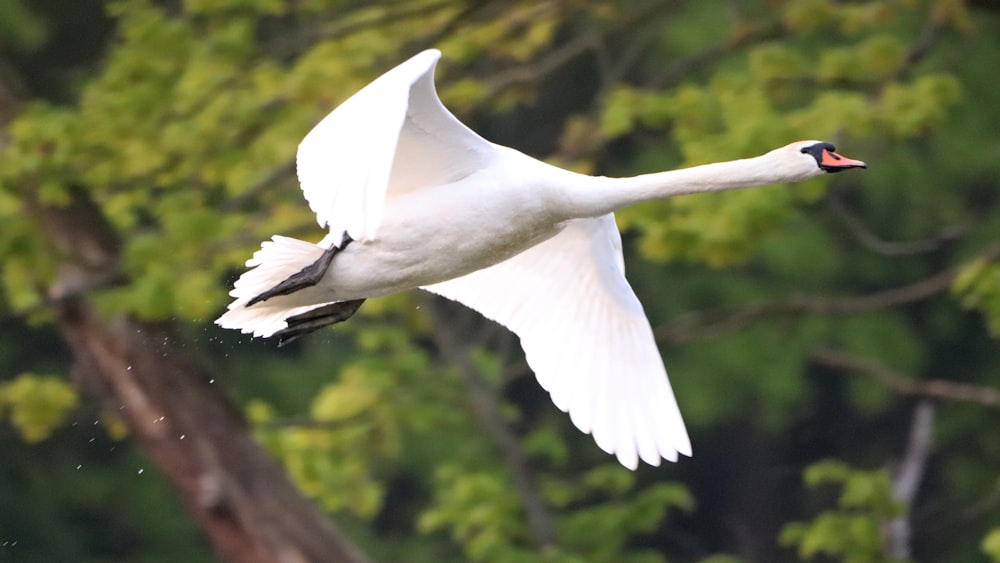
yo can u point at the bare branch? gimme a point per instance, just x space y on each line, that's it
876 244
543 66
938 389
716 322
923 45
284 43
917 451
908 477
580 44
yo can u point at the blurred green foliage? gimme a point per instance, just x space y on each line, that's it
852 531
36 404
977 286
991 545
184 130
20 29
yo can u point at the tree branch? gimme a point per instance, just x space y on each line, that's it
908 478
937 389
682 68
922 46
543 66
557 57
287 43
715 322
876 244
487 408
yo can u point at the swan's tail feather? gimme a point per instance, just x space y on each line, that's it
276 260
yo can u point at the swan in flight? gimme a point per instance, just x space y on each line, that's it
413 198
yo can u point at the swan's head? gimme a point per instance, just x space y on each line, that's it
813 158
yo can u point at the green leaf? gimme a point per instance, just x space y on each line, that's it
978 286
852 530
37 404
991 545
914 109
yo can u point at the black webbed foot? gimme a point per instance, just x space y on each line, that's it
300 325
306 277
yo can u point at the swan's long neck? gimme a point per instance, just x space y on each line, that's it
600 195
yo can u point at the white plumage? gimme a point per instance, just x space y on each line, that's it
431 204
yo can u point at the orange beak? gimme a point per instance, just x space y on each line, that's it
833 162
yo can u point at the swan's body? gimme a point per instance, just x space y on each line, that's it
431 204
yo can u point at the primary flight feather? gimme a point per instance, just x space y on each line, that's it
413 198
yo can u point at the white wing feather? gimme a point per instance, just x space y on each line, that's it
347 164
586 337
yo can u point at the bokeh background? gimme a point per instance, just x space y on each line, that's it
833 345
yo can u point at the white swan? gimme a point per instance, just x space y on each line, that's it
430 204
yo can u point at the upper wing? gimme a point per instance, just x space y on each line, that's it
393 135
586 337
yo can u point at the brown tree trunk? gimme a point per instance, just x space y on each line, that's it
236 492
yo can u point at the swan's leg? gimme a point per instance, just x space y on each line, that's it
300 325
306 277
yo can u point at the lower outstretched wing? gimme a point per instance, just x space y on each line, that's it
586 337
